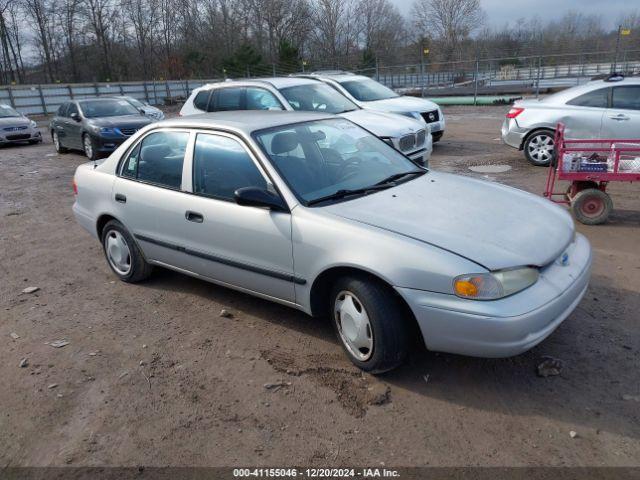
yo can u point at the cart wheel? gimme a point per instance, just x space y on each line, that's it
591 206
582 185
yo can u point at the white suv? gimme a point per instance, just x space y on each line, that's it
407 135
372 95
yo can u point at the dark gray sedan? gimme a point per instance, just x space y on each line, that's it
95 125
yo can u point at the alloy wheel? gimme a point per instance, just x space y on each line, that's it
540 148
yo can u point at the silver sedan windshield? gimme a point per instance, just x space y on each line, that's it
322 158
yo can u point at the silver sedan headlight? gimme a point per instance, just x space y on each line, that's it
494 285
33 124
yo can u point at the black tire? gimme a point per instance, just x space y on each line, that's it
539 148
388 332
591 206
89 147
139 268
437 136
57 143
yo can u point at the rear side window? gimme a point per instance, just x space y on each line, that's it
229 99
201 101
627 98
221 165
158 159
597 99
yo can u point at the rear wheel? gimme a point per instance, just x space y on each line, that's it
56 143
539 148
370 324
123 255
591 206
89 147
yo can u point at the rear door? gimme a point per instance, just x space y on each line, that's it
622 120
150 199
584 114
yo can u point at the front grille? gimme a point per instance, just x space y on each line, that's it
20 136
431 117
407 142
14 129
128 131
421 136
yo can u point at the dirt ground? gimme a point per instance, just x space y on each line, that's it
153 375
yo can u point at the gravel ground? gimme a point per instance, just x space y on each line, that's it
153 375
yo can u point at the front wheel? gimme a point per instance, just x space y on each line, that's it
123 255
539 148
370 323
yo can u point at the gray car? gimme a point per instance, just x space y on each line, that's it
314 212
17 128
95 125
143 107
608 108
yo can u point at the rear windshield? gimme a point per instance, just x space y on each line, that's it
107 108
6 111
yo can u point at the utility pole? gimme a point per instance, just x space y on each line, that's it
423 54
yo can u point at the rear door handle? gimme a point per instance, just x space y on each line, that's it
121 198
194 216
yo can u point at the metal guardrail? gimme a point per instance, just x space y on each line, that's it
45 99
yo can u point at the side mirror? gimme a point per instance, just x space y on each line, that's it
259 197
142 112
75 116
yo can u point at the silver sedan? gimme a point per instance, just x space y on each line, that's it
312 211
608 108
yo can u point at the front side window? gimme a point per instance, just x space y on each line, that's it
62 110
317 97
158 159
368 90
261 99
595 99
107 107
627 98
221 165
228 99
321 158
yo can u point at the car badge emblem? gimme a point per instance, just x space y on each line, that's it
564 259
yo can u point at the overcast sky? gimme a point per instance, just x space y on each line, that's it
500 12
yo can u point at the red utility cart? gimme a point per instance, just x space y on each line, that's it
590 165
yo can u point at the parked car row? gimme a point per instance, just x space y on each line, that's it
292 192
16 128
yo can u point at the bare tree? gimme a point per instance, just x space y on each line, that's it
450 21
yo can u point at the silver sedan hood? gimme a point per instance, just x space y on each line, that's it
490 224
383 124
14 122
402 104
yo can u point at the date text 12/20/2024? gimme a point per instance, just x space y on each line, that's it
315 473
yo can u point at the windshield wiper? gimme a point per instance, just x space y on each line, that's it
347 193
398 176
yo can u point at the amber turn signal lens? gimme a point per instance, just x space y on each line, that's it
465 288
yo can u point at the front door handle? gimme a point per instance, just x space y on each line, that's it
619 117
194 216
121 198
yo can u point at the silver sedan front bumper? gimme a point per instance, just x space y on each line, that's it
509 326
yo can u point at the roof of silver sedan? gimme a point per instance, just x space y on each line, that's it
244 120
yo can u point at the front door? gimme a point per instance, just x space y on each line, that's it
243 246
